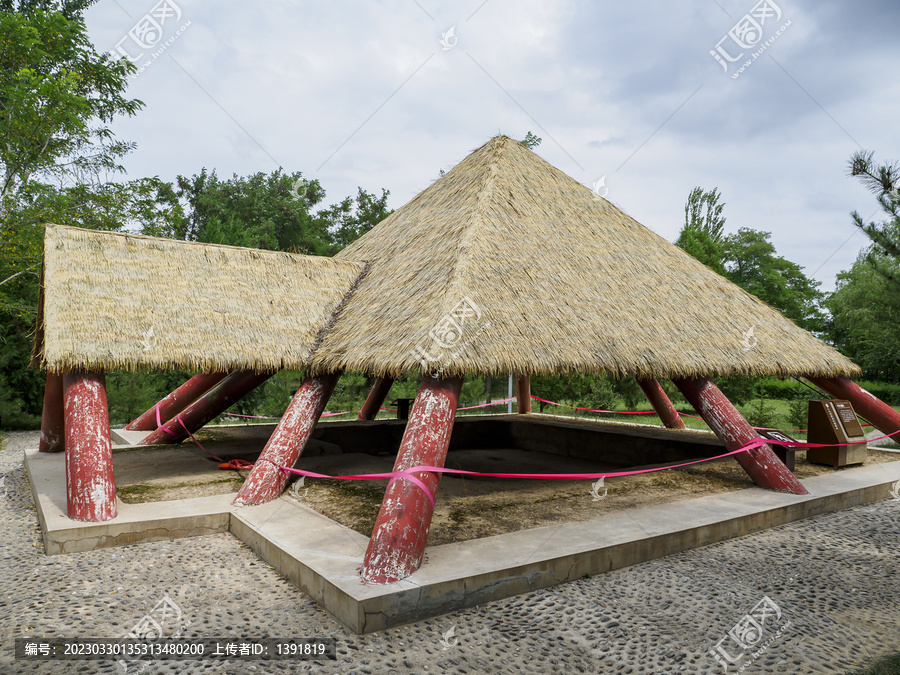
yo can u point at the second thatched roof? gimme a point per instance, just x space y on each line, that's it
114 301
506 264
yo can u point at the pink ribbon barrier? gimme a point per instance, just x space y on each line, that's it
407 474
614 412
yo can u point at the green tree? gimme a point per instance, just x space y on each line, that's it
531 141
751 262
865 308
269 211
884 182
348 220
58 98
704 227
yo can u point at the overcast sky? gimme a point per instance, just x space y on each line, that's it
367 94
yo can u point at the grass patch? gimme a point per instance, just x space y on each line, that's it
888 665
140 492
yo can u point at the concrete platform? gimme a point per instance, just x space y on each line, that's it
322 557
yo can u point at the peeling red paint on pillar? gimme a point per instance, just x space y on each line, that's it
761 463
661 403
53 427
217 400
177 401
397 545
286 444
375 399
865 404
90 482
523 394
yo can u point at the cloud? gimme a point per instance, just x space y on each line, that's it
362 94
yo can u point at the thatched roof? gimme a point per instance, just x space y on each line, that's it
543 276
121 301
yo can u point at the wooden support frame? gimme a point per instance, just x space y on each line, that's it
661 403
207 407
397 545
266 482
90 480
376 398
523 394
53 425
177 401
761 464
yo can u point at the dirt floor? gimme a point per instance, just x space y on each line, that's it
467 507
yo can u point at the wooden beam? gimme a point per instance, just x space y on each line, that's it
661 403
376 397
90 482
266 482
177 401
523 394
397 544
53 425
723 418
217 400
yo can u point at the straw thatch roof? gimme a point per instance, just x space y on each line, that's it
121 301
506 264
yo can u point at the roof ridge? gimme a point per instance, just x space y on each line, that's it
485 193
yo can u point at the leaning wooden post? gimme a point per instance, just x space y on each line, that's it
53 427
397 544
882 416
90 482
760 463
523 394
207 407
266 481
177 401
661 403
375 399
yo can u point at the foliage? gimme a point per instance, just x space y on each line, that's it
700 245
738 389
58 97
884 182
751 263
798 408
865 308
748 259
343 223
772 387
269 211
762 414
865 305
886 391
703 229
887 665
531 141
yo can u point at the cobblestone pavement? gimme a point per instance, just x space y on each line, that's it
832 581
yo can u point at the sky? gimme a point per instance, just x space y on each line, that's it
644 100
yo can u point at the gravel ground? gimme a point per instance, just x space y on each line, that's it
834 580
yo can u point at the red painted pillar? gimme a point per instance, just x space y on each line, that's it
53 427
177 401
375 399
866 405
523 394
661 403
760 463
398 539
265 481
90 483
207 407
